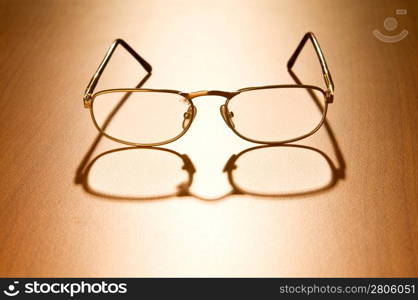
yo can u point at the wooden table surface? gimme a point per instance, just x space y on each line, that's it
53 223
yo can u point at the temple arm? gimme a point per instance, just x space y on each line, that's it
327 75
93 81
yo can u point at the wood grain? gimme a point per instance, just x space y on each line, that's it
50 225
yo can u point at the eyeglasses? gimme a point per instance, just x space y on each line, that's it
271 114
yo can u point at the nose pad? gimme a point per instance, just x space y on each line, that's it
188 117
227 116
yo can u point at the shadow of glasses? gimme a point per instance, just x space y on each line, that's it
150 173
139 173
286 170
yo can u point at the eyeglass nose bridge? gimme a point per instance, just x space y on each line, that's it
209 93
226 115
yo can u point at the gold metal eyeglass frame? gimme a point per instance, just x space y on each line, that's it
89 97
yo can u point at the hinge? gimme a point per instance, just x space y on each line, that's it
330 91
329 96
87 101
